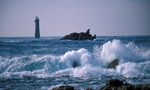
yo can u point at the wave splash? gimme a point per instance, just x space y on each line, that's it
134 62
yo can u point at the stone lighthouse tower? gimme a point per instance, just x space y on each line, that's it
37 29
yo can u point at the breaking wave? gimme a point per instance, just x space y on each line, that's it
133 62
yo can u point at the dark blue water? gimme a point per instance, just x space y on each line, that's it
41 64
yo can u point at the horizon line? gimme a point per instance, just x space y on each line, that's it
63 36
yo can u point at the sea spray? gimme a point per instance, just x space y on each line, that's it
117 50
89 64
49 62
134 70
82 56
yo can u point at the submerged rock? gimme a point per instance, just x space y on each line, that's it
80 36
64 88
113 64
75 64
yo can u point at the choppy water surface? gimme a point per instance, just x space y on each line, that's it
29 63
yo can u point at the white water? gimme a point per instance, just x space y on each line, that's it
134 62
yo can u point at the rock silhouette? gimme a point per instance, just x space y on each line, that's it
113 64
80 36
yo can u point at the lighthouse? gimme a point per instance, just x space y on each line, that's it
37 28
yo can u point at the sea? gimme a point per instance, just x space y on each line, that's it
27 63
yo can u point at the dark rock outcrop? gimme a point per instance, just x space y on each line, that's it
114 82
75 64
118 85
64 88
113 64
80 36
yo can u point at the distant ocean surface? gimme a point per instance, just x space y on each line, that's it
47 62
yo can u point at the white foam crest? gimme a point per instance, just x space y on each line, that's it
90 71
47 65
25 65
90 64
38 73
146 55
82 56
134 70
89 67
64 72
85 72
140 51
116 50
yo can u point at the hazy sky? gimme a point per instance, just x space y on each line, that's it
61 17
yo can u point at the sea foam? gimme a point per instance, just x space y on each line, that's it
82 56
117 50
90 64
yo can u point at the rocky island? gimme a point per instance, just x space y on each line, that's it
79 36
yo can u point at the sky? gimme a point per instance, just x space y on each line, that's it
61 17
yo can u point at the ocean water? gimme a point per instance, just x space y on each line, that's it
47 62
